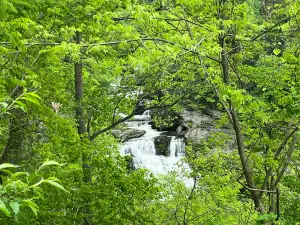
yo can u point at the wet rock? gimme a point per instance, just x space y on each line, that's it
162 145
194 119
181 130
197 134
171 133
127 134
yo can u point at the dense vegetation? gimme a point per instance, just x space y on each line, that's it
70 67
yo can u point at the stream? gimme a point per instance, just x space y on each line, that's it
144 154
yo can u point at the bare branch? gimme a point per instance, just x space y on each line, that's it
196 45
123 18
215 90
287 162
116 43
249 188
97 133
176 217
275 25
277 153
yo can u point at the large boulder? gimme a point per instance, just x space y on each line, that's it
195 126
128 133
198 126
162 145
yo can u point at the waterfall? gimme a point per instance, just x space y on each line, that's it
177 147
134 124
146 113
144 153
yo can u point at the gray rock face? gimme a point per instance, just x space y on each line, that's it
162 145
128 133
197 126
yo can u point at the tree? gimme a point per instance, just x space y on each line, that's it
69 43
225 38
20 190
100 59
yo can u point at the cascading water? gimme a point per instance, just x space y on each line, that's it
143 152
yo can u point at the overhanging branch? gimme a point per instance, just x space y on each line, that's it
275 25
134 112
116 43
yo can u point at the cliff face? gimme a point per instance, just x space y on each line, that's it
190 125
196 126
193 126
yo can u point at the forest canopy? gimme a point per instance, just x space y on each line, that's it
72 71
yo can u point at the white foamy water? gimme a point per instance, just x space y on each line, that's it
143 150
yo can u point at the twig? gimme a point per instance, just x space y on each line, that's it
272 27
135 111
287 162
196 45
116 43
251 189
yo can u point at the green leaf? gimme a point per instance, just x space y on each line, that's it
276 51
225 97
21 105
37 184
117 70
6 171
4 104
49 163
209 99
4 209
55 184
30 99
33 94
34 207
20 174
7 165
15 207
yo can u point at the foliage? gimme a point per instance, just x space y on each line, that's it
21 190
239 57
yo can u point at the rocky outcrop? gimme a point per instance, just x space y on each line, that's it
162 145
196 126
128 133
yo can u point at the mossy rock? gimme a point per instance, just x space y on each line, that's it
162 145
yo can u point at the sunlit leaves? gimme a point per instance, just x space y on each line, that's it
276 51
53 181
4 209
49 163
15 206
32 205
7 165
21 189
121 69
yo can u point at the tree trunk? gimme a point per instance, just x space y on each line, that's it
256 197
81 127
14 151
